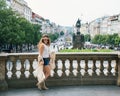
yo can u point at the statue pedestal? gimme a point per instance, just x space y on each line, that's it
78 41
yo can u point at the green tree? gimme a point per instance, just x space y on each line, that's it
27 28
2 4
104 39
37 33
15 30
8 20
97 39
61 33
87 37
112 40
53 36
116 39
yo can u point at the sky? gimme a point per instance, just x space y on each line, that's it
67 12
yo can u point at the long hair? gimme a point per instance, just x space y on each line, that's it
42 41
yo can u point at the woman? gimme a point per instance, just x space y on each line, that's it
44 52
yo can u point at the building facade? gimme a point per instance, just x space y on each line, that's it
104 25
21 8
114 24
37 19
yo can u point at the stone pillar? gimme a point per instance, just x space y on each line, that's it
3 83
118 80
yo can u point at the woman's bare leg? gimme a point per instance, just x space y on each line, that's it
47 71
47 74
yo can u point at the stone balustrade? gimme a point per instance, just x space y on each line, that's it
17 69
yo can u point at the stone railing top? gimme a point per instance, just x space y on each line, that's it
36 53
6 54
3 54
87 53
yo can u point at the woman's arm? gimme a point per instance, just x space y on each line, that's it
40 57
41 49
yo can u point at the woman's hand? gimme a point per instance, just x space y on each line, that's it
41 62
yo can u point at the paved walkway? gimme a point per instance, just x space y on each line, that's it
66 91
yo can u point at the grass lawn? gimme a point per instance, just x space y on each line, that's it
86 50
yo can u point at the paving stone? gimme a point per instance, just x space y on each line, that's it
98 90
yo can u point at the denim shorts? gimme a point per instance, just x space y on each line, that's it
46 61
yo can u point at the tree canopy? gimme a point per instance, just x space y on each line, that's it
107 39
16 30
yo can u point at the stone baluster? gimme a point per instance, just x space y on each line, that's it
71 68
78 67
31 68
14 70
22 68
55 70
97 67
75 67
67 67
3 83
86 68
116 67
13 59
82 67
101 68
94 68
59 68
109 67
63 68
113 67
90 67
18 68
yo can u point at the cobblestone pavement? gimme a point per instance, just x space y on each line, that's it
66 91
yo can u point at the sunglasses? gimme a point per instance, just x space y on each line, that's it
46 39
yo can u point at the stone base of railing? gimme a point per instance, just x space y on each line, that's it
118 80
23 83
118 83
86 80
3 85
